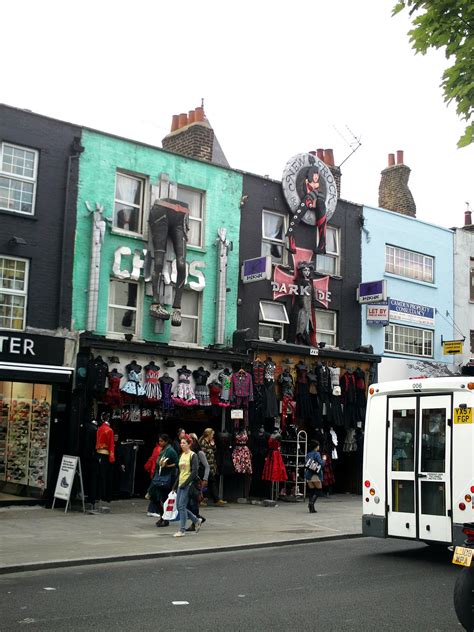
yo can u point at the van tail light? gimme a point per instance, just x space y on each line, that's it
469 533
367 483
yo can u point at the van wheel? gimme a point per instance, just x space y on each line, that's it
464 598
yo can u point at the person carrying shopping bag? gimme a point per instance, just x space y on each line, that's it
313 474
164 476
188 475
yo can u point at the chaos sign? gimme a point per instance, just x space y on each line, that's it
311 193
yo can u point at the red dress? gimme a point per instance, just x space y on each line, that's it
274 468
113 396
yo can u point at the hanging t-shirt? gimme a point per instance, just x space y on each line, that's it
184 467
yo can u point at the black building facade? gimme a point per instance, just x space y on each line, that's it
325 370
38 192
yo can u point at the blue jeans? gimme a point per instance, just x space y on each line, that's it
182 504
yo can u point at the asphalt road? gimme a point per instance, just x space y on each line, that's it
362 584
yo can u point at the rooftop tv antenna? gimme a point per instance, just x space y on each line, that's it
354 143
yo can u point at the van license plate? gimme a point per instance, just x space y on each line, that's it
462 556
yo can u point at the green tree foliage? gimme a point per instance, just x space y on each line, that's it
448 24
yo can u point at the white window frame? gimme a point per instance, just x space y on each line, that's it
327 332
142 215
138 309
23 293
276 242
197 317
193 218
333 255
13 176
269 324
281 321
426 334
403 268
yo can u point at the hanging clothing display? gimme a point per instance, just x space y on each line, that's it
348 398
241 456
316 407
334 376
201 390
97 373
133 386
274 469
166 383
288 405
256 412
361 398
224 379
241 393
215 393
152 383
304 409
225 465
113 396
184 395
271 409
324 386
350 442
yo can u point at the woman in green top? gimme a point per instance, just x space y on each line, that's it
165 476
188 473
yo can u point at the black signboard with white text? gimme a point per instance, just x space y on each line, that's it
23 348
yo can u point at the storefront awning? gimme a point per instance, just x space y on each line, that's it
13 372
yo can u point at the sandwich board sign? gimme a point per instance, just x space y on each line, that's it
70 466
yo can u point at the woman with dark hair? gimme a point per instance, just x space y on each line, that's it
314 475
188 475
302 328
164 476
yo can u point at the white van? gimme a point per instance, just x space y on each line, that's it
418 470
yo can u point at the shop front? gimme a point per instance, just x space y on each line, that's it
34 402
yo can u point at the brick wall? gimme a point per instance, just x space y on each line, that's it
195 141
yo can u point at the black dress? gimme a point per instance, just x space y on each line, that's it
270 398
304 409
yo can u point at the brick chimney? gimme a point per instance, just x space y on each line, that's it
394 193
327 156
191 135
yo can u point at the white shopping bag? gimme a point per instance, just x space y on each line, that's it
170 509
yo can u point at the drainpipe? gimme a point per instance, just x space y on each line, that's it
223 247
99 224
76 149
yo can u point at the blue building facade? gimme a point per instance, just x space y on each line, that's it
415 259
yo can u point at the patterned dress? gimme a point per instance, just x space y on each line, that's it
134 386
184 392
152 384
224 379
241 456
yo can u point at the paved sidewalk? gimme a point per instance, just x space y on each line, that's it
34 537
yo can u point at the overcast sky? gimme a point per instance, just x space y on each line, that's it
278 78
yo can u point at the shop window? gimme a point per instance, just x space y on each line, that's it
189 332
326 326
129 203
274 227
409 264
18 171
25 418
471 280
409 340
330 262
13 292
123 308
195 201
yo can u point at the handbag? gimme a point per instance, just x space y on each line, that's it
162 480
313 466
170 510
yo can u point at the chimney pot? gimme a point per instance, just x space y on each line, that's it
391 160
183 120
199 114
320 154
329 157
175 122
399 157
467 218
191 116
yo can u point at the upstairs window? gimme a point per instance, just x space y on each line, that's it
330 262
124 302
274 227
190 330
409 340
195 201
409 264
13 293
18 172
129 203
326 326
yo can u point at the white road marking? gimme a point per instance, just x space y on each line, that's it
48 588
241 595
27 620
180 603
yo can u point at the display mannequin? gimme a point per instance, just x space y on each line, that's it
113 396
184 393
201 390
287 391
133 386
97 372
166 383
242 460
224 379
152 384
270 400
241 392
274 469
168 218
104 457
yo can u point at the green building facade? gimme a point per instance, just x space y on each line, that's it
116 176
